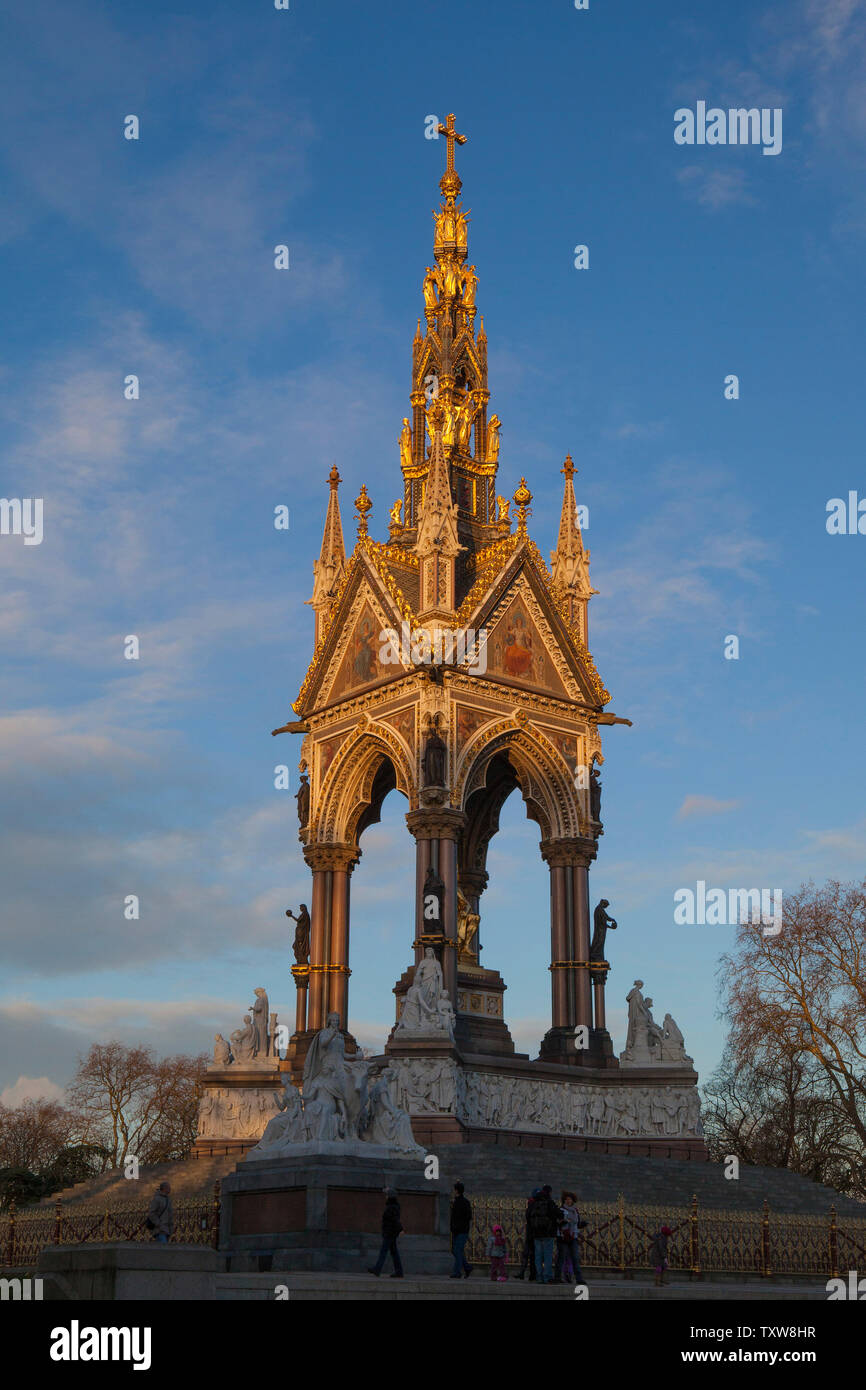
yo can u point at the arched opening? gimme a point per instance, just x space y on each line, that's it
383 895
504 883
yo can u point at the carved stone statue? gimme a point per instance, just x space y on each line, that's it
260 1010
673 1043
601 925
634 999
648 1044
595 793
301 943
427 1010
337 1106
243 1041
287 1127
494 424
222 1054
654 1034
406 444
386 1123
336 1087
302 796
434 761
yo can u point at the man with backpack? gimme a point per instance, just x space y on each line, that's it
528 1241
544 1219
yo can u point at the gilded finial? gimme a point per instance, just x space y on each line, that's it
451 183
363 505
522 499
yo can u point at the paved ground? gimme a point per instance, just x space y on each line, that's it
331 1287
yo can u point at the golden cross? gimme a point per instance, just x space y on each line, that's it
451 135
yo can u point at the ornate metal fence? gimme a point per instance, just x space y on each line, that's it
24 1234
618 1236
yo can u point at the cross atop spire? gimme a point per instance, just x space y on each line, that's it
451 136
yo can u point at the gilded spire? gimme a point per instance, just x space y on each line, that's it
450 182
328 569
363 505
449 382
569 561
522 498
437 527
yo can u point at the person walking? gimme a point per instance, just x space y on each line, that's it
391 1228
543 1221
160 1214
528 1257
461 1224
497 1253
659 1254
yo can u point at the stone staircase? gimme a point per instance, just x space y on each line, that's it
594 1177
190 1179
491 1169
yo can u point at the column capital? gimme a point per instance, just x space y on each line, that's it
570 852
320 856
475 880
436 823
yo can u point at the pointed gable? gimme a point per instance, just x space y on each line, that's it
517 651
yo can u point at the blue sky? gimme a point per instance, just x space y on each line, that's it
707 516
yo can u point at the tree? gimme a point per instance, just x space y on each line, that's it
792 1089
132 1104
33 1133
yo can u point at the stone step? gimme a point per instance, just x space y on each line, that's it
602 1177
302 1287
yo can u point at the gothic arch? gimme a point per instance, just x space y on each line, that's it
538 768
367 766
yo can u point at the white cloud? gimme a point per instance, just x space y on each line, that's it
31 1088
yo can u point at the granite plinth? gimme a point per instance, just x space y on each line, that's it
322 1210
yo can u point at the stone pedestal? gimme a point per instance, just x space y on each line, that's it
128 1270
320 1211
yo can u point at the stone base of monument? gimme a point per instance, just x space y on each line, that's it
128 1270
558 1045
321 1209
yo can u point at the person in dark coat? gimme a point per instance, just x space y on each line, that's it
391 1228
160 1214
461 1224
544 1219
528 1242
